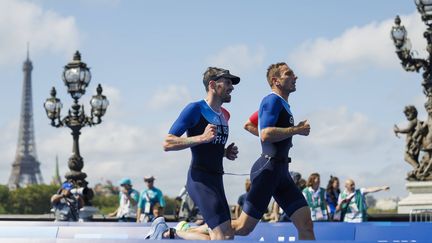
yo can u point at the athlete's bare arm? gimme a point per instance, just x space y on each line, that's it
173 142
250 127
276 134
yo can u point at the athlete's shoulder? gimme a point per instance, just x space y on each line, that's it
272 100
195 104
226 113
272 97
193 107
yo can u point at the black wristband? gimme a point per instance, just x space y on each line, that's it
172 233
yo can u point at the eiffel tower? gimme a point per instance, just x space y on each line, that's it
25 168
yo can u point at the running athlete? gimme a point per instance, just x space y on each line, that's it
269 174
206 124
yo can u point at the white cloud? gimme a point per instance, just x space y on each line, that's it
46 30
113 150
238 58
100 3
113 95
348 145
169 96
338 128
357 47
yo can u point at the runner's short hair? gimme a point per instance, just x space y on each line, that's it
273 71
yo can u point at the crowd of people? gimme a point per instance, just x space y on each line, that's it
326 204
133 206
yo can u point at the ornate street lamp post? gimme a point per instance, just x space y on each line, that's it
419 134
418 150
403 46
76 77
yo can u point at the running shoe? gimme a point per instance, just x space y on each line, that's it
158 227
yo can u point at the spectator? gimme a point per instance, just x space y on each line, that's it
148 198
352 202
128 200
65 204
332 195
295 176
298 180
301 184
315 197
241 199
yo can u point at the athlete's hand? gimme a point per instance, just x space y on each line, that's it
303 128
231 152
209 133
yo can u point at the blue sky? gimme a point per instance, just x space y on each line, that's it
150 55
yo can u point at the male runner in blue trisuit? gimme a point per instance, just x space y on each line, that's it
206 124
269 174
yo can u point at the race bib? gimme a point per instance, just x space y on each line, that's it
318 214
147 208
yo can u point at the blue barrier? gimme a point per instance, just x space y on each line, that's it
41 232
412 232
117 233
334 231
271 232
287 232
380 232
27 240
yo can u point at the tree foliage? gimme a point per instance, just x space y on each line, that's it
170 207
106 203
33 199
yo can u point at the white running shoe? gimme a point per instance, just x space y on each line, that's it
158 227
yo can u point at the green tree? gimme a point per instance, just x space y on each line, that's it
170 208
106 203
4 199
33 199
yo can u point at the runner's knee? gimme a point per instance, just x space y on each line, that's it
305 224
241 228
